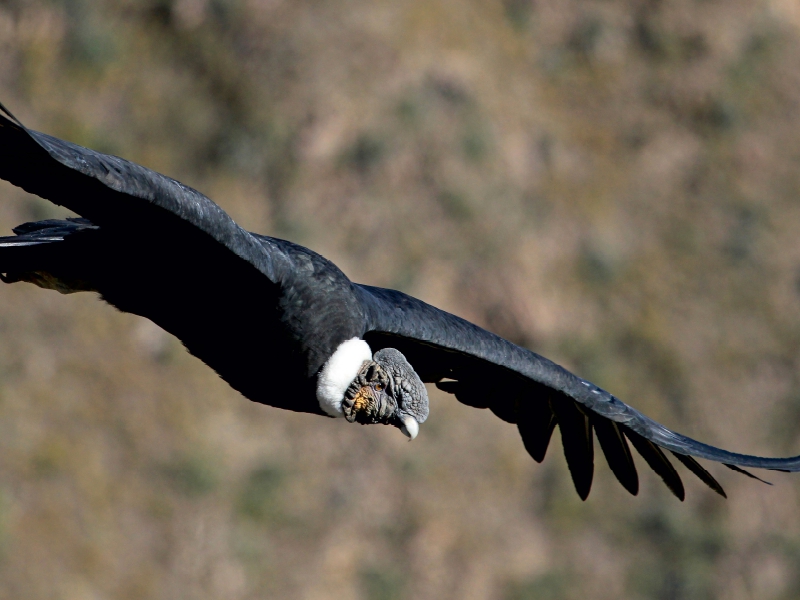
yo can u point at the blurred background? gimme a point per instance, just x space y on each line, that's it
611 183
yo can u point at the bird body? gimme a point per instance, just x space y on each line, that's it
286 327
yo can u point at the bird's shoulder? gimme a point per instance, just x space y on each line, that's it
318 304
297 265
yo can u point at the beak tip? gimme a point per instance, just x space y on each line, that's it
410 427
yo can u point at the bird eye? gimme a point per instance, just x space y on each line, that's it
379 386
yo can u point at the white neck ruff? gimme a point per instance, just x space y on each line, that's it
338 373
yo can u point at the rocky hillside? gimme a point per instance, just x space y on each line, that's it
614 184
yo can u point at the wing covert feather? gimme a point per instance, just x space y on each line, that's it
109 190
441 345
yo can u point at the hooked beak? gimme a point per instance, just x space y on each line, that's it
409 427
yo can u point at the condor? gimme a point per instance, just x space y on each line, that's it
285 327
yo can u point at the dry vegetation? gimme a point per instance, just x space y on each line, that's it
612 183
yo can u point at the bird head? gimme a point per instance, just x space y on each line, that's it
387 390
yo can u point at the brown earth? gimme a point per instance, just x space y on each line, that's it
613 184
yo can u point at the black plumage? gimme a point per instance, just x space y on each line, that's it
267 314
658 461
617 453
747 473
698 470
577 438
536 424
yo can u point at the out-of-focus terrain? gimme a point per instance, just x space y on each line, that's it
613 184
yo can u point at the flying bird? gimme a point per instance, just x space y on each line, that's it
287 328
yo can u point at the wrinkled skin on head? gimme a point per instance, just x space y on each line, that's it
387 390
367 399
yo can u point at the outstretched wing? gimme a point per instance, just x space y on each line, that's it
164 251
112 191
519 386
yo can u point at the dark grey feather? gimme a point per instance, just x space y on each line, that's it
578 442
471 395
698 470
617 453
654 457
536 422
748 473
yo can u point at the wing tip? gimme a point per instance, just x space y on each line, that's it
657 460
690 463
11 116
744 472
